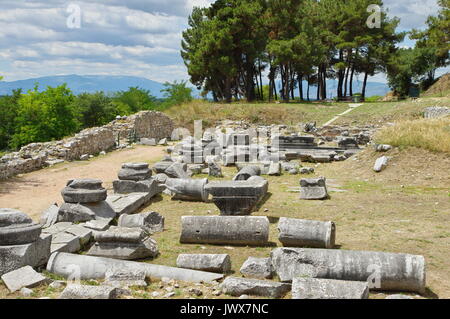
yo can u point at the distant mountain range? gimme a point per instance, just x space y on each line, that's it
85 83
109 83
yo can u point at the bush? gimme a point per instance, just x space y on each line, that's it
44 116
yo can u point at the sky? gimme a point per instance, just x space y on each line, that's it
118 37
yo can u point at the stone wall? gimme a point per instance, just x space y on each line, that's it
91 141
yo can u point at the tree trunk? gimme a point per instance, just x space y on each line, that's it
363 94
307 93
351 80
300 86
346 81
228 96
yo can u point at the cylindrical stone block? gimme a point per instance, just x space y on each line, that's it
315 288
227 230
306 233
188 189
383 271
220 263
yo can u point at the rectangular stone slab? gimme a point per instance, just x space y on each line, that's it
23 277
315 288
235 286
127 203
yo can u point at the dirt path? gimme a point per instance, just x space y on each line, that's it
34 192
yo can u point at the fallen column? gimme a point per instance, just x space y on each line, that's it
188 189
314 288
88 267
383 271
228 230
306 233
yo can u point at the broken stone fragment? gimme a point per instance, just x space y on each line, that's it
25 277
50 216
260 268
90 292
313 188
125 278
134 172
151 222
246 172
76 213
315 288
220 263
235 286
380 164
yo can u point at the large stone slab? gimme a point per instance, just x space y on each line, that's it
127 203
68 237
235 286
146 186
34 254
315 288
306 233
238 197
384 271
76 213
228 230
220 263
23 277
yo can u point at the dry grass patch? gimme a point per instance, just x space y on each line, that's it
263 113
429 134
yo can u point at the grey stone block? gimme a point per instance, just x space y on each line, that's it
306 233
177 170
50 216
233 230
151 222
134 172
220 263
34 254
313 188
314 288
76 213
90 292
127 203
188 189
16 228
125 278
23 277
247 172
83 191
398 272
243 286
260 268
274 169
99 225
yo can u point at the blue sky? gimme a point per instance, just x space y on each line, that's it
117 37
